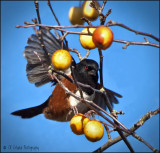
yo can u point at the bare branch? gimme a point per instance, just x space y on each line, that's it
108 13
133 128
107 129
63 37
109 23
109 104
49 4
113 23
61 28
86 20
87 54
75 81
79 54
101 67
104 3
40 31
127 43
37 10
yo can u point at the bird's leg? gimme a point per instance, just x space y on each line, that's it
50 72
74 110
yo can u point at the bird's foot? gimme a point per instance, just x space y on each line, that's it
91 113
73 110
115 113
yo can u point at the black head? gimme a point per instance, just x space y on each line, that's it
86 72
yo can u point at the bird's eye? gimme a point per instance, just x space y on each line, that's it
86 67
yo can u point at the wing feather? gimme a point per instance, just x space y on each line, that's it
38 61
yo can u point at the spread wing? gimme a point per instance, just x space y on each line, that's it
112 97
39 57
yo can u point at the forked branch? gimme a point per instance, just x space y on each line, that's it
133 129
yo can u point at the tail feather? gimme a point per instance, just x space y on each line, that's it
113 93
31 112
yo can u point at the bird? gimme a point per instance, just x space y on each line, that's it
61 106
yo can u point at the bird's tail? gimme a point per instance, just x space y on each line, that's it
32 111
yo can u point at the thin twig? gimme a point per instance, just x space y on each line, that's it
87 54
49 4
113 23
40 32
75 81
101 67
107 130
63 38
127 43
133 128
104 3
117 123
37 10
108 13
86 20
79 54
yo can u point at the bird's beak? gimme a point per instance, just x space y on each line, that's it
92 72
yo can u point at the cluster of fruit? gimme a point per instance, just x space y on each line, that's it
92 129
102 38
76 13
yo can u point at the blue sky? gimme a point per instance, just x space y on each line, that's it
133 72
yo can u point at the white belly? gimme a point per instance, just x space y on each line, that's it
81 107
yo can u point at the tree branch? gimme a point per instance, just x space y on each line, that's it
61 28
49 4
40 32
101 67
127 43
133 128
79 54
113 23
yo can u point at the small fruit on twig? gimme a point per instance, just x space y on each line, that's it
86 40
94 130
61 59
78 122
75 15
89 12
102 37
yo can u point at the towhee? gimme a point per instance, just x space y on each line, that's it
60 106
